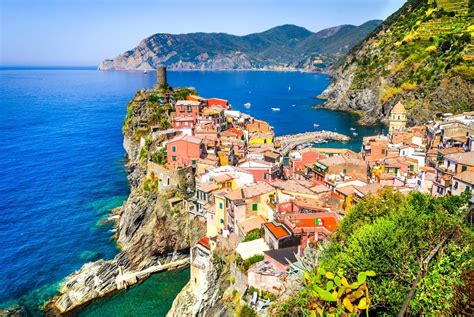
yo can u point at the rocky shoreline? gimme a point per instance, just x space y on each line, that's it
151 236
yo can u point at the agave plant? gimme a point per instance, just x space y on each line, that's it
306 262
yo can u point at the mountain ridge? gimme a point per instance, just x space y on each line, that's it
286 46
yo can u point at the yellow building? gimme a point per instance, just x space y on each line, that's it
215 218
398 118
261 139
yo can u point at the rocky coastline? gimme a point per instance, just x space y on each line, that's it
151 236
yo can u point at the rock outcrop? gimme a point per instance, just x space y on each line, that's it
422 55
152 236
203 299
284 47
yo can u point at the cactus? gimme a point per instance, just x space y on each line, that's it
333 295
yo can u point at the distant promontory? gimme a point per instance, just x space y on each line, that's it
286 47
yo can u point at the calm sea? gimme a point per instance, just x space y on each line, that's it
62 166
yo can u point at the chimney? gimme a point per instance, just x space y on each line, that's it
161 80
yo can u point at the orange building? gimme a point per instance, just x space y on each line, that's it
374 148
259 126
184 150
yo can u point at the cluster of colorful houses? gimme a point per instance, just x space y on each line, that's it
245 188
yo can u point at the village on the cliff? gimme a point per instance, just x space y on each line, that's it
268 198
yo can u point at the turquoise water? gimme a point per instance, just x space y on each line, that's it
153 297
62 166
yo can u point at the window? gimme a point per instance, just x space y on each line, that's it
463 168
193 162
254 207
383 151
189 109
456 185
411 168
449 163
221 206
173 148
264 176
344 170
173 158
467 189
439 190
222 221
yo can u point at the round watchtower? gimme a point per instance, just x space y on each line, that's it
161 79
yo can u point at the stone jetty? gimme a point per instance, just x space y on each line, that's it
289 142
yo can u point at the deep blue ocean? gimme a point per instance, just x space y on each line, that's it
62 165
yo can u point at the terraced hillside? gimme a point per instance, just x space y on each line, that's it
422 55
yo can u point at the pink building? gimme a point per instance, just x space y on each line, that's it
184 150
188 109
261 170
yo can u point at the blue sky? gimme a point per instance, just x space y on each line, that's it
83 32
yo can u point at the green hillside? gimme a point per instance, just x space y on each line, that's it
283 46
423 55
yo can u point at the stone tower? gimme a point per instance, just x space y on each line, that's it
398 118
161 79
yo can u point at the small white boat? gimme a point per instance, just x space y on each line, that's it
352 129
289 88
355 134
275 109
293 105
316 125
247 105
145 71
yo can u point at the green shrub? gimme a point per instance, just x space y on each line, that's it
253 235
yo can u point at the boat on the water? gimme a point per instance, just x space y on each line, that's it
316 125
145 71
320 141
355 134
352 129
247 105
289 88
275 109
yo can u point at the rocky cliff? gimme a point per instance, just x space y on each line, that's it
204 298
283 47
422 55
151 235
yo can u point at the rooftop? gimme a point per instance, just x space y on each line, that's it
291 185
278 230
368 189
466 177
466 158
188 103
398 109
186 138
283 255
251 223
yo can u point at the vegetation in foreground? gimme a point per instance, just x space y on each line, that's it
378 252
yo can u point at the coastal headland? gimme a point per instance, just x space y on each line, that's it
154 227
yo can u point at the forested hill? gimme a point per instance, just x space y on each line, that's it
422 55
286 46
